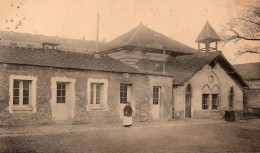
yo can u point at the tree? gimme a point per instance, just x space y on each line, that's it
244 29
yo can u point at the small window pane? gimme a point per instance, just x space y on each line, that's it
58 85
26 93
16 84
58 92
16 92
26 84
25 101
16 100
63 100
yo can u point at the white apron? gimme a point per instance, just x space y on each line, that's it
127 120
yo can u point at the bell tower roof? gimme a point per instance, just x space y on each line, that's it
207 33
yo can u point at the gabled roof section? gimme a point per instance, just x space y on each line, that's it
144 37
61 59
208 33
185 67
249 71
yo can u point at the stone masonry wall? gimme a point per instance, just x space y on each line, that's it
141 95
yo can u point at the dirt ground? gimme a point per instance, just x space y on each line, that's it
217 137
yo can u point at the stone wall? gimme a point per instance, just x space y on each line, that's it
141 97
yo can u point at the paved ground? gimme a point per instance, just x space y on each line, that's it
174 136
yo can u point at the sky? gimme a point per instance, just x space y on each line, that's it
181 20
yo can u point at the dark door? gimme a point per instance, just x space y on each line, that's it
188 106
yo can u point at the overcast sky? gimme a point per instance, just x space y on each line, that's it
181 20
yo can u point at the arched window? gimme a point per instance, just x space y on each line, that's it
231 97
205 97
215 98
188 101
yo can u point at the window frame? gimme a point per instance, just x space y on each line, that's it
216 100
31 106
125 93
103 100
207 101
94 90
158 95
61 99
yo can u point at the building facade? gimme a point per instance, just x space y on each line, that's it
161 78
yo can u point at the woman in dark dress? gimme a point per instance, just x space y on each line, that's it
127 120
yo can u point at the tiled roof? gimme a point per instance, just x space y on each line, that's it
208 33
144 37
185 67
249 71
61 59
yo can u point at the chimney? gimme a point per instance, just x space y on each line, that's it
164 52
97 33
97 55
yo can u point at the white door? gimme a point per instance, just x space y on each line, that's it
125 96
156 102
61 113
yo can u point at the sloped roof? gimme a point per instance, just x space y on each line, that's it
61 59
208 33
185 67
144 37
249 71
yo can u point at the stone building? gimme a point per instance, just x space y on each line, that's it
162 78
251 74
205 84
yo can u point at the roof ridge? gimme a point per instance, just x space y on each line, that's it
134 34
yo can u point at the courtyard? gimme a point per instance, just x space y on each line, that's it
172 136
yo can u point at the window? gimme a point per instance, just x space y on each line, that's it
188 95
61 92
215 101
96 93
21 92
205 101
231 97
123 93
156 95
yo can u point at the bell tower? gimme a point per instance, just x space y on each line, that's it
208 36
